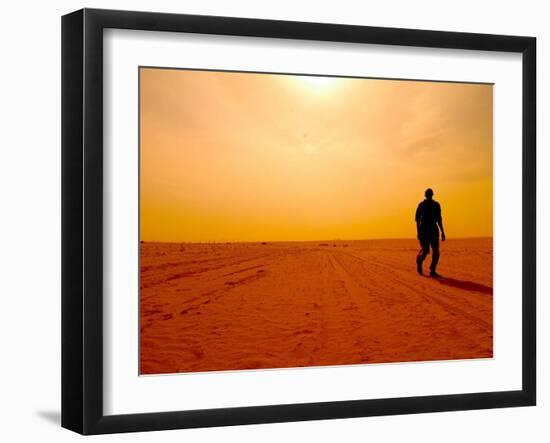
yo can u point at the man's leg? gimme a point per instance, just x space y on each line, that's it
424 251
435 253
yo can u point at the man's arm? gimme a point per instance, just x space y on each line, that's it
440 222
417 219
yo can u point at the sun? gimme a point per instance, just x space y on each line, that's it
317 84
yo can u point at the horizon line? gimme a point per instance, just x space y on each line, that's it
305 241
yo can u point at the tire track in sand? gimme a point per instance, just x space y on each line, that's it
451 308
357 298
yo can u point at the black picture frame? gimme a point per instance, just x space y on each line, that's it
82 219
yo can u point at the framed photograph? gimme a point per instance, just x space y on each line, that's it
268 221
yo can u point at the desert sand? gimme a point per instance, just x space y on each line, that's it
212 307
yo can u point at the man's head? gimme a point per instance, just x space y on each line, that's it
429 193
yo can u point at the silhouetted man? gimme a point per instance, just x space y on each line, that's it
428 219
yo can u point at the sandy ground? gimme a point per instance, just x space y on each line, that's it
252 305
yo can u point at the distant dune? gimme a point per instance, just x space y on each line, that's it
212 307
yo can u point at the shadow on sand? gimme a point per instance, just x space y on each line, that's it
466 285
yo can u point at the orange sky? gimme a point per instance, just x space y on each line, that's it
253 157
